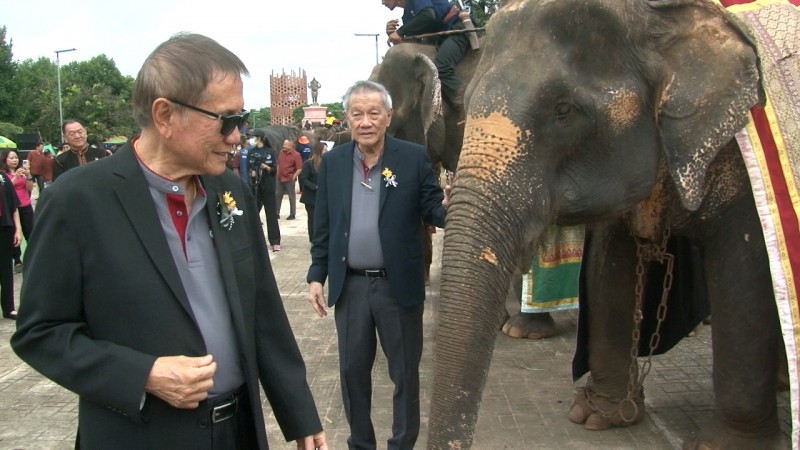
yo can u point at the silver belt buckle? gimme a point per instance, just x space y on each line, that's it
374 273
224 411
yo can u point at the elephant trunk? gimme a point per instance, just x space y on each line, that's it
484 238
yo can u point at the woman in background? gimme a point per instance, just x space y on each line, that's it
308 183
22 181
10 238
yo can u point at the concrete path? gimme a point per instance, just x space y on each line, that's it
525 404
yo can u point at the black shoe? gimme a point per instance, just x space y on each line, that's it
12 315
18 267
290 217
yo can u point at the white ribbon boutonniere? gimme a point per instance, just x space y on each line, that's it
389 177
226 208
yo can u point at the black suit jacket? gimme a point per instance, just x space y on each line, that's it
417 196
103 299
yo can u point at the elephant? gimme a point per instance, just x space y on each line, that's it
326 134
620 115
420 116
276 134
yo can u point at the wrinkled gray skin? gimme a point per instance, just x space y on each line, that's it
276 134
420 116
618 114
326 134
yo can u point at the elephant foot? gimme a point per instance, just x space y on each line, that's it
713 437
597 412
530 326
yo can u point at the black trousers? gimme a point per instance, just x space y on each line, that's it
7 270
26 219
366 306
239 431
310 222
451 52
265 197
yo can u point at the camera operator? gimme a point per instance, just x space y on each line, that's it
262 165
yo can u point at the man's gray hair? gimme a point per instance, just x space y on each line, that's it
181 68
367 86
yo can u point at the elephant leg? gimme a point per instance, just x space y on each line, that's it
520 325
746 336
610 278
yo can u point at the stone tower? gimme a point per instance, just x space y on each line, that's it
287 92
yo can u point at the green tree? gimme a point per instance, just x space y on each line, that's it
97 94
481 10
260 117
9 130
8 70
37 98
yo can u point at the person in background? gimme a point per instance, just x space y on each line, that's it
308 181
372 195
329 120
245 145
263 166
303 148
289 167
80 152
23 185
10 238
36 164
47 169
149 291
62 148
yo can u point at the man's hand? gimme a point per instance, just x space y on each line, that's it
391 26
316 296
181 381
395 38
315 442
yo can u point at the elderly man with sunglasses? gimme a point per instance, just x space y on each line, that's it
162 312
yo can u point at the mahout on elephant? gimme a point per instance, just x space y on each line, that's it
621 115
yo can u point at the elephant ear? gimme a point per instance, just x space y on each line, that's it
431 90
711 80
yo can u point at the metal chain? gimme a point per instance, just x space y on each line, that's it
645 251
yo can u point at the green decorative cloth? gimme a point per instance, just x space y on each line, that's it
552 282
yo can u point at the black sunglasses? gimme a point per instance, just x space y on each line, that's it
229 123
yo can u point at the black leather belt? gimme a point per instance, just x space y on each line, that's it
369 273
228 405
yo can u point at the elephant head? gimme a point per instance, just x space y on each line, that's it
419 115
579 111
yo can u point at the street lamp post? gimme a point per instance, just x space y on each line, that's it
58 75
375 35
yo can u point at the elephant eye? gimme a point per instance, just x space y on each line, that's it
562 110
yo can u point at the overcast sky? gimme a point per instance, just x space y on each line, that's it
270 36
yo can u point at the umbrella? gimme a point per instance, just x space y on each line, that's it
116 140
7 143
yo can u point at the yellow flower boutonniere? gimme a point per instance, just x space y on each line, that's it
226 209
389 177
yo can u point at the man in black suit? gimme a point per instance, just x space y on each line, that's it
162 312
372 195
79 153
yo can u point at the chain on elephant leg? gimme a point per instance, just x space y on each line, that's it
600 412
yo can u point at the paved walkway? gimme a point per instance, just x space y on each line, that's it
525 404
